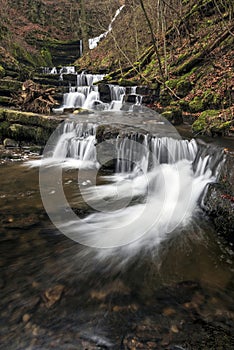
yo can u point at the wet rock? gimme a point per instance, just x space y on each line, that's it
105 93
21 221
219 200
27 127
173 115
168 311
37 331
1 281
131 98
213 123
147 99
9 143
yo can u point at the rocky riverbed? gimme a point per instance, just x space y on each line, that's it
56 294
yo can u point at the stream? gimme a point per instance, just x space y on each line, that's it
168 288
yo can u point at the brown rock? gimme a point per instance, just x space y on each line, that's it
53 295
26 318
168 311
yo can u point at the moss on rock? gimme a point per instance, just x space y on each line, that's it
183 87
4 130
25 126
165 97
212 122
173 115
196 105
29 118
2 71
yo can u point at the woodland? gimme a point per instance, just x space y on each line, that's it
184 48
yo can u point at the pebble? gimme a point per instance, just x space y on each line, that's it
174 329
168 311
26 318
53 295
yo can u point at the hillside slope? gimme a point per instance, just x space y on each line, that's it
33 32
183 49
188 60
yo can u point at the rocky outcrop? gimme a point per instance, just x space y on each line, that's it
219 200
26 127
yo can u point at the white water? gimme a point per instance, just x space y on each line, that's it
93 42
156 188
75 148
87 97
85 93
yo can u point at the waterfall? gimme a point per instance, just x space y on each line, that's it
86 95
93 42
76 146
81 48
155 189
143 153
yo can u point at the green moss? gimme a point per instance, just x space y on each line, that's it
201 123
5 100
25 133
211 100
210 122
46 55
188 64
2 71
165 97
9 87
196 105
125 82
183 87
172 83
174 115
30 119
23 55
4 130
181 58
184 105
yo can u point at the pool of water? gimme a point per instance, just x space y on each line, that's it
58 294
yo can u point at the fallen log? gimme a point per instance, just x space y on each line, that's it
35 98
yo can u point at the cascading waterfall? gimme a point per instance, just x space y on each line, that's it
85 94
74 148
163 177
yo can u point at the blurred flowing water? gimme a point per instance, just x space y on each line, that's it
148 293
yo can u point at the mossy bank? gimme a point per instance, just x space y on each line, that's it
20 128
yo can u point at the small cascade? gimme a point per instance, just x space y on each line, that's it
135 154
156 187
74 146
142 153
117 96
86 79
77 143
117 92
86 95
